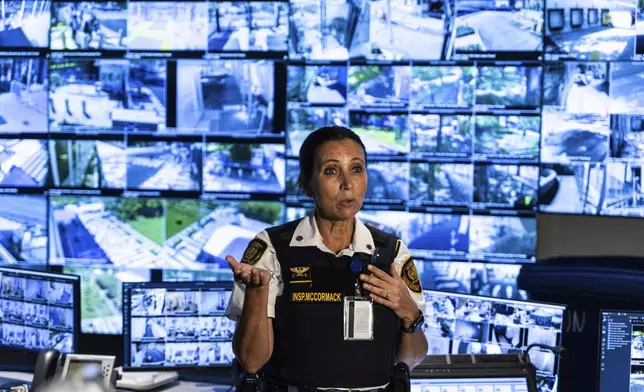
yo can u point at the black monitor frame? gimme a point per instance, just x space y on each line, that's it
16 359
194 370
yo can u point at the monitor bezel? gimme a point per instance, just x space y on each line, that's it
127 344
527 302
25 359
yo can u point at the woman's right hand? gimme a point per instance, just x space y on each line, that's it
251 277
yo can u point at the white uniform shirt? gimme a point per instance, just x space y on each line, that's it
307 234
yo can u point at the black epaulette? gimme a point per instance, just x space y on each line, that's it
387 244
281 235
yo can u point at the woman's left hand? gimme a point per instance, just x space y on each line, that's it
391 291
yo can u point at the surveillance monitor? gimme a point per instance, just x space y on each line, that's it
177 325
38 310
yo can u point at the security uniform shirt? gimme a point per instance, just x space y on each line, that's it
306 291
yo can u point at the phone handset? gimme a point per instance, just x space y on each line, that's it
51 366
46 368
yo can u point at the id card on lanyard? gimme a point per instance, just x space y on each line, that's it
358 318
358 312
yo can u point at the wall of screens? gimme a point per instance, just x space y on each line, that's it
138 135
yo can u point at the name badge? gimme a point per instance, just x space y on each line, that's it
358 318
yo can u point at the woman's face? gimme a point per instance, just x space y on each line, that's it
339 179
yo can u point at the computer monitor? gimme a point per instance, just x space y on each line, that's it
178 325
621 351
470 324
38 310
478 384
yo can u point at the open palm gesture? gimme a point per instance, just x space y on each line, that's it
247 274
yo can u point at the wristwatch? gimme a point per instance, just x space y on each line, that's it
416 324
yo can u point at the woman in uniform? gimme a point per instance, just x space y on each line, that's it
327 301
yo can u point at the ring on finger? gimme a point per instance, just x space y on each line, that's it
386 294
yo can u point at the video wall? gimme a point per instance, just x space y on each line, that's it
145 135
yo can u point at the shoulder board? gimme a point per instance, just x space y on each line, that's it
283 232
254 251
380 238
398 242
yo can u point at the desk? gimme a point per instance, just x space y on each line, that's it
182 386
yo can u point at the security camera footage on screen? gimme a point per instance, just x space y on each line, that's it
177 325
102 293
590 149
466 324
37 311
155 233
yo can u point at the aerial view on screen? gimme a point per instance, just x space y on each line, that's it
25 24
102 296
200 234
23 163
23 239
107 94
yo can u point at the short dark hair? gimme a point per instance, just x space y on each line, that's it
316 139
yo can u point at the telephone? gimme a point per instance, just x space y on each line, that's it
52 365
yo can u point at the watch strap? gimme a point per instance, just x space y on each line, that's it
415 325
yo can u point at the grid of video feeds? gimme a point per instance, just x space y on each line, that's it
467 324
177 325
37 311
591 156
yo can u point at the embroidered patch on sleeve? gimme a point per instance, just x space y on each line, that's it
409 275
254 251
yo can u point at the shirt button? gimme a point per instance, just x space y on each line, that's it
369 246
299 238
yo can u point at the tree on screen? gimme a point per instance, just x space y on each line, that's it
265 212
